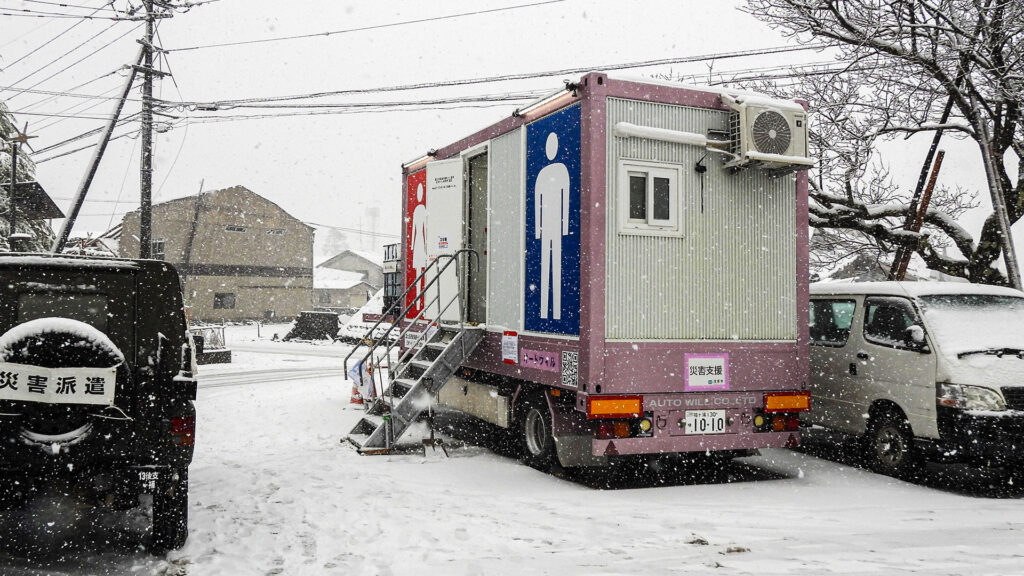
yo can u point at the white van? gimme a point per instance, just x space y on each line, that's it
920 370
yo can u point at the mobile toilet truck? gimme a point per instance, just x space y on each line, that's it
618 269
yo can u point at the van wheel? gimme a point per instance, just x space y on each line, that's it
889 446
170 512
538 445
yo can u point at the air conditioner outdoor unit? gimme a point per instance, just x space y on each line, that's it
768 134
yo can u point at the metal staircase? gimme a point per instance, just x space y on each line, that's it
434 350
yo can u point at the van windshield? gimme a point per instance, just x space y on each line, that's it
974 322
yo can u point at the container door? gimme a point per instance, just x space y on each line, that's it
445 228
475 273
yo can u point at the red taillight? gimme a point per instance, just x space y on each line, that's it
612 429
785 423
183 430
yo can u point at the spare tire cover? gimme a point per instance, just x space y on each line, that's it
59 343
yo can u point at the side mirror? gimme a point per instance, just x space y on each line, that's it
913 338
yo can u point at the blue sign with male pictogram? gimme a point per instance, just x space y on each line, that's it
552 287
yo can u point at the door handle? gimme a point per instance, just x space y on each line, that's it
863 356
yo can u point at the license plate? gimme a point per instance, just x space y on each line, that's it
148 479
705 421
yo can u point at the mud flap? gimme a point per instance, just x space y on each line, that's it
574 438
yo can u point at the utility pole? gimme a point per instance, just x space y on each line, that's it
94 163
11 214
146 170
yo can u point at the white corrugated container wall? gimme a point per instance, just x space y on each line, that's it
732 275
505 232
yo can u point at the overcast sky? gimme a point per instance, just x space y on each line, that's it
332 169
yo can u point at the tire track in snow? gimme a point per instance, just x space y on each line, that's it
266 376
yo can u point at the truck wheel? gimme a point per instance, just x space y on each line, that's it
538 445
170 512
889 446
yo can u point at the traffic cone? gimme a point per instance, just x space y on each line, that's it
356 398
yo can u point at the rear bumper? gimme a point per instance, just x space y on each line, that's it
577 446
695 443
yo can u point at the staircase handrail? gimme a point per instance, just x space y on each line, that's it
373 343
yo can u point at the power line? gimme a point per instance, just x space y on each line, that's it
76 62
26 33
69 152
69 94
516 96
47 43
55 115
42 101
28 13
57 59
356 230
225 104
64 4
92 132
363 28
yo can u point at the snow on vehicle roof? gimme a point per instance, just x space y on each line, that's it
911 289
65 261
743 96
49 325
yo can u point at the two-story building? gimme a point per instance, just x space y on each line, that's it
240 255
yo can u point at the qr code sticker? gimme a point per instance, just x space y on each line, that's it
570 369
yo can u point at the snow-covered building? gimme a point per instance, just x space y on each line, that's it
368 264
340 290
240 255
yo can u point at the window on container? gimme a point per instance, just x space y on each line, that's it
223 300
275 232
649 199
233 228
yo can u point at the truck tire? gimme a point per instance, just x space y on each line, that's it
170 512
537 443
889 446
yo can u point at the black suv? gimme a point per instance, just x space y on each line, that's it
96 385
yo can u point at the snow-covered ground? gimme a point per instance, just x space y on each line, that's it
274 491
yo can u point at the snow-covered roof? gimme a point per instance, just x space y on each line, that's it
911 289
375 257
742 95
335 279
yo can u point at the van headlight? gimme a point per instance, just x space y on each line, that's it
968 397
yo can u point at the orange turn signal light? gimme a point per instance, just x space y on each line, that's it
614 406
787 402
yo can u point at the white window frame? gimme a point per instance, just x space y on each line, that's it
160 254
673 226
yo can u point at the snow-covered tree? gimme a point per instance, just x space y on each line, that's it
912 66
42 234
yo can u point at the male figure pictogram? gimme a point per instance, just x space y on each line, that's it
419 245
551 222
